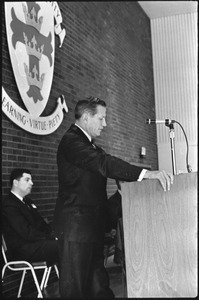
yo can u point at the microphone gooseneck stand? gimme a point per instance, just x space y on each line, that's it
172 142
169 123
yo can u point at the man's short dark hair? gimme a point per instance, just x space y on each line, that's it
88 104
17 174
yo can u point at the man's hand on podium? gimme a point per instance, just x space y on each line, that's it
165 178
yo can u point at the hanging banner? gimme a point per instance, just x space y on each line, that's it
40 125
30 34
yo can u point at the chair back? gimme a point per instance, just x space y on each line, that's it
4 250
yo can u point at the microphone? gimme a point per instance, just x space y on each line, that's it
166 121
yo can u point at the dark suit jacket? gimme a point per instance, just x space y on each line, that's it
23 226
81 208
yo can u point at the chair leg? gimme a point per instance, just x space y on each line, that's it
48 274
3 272
47 277
57 271
37 284
21 284
44 280
45 274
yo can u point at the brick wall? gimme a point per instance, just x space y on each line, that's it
106 53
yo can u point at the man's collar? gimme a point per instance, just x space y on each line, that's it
86 134
19 197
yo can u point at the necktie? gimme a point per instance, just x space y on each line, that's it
25 203
92 142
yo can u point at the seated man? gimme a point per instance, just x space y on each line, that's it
27 235
115 206
115 213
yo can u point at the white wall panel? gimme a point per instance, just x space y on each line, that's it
174 45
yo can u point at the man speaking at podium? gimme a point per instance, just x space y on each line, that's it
81 210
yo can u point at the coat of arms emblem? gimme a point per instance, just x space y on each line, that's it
31 41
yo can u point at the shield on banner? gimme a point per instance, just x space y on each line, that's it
31 43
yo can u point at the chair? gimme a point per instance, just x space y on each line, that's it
24 266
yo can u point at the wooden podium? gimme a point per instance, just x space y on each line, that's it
160 237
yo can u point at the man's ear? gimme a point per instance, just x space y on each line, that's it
85 116
15 182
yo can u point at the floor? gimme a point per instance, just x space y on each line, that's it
116 279
116 283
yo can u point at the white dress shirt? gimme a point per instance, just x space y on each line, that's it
19 197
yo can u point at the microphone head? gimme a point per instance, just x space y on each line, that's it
166 121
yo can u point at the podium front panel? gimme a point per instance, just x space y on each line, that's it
160 237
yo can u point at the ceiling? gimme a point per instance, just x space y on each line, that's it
158 9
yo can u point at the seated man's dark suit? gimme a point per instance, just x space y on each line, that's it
115 212
27 235
115 208
82 210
